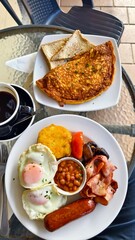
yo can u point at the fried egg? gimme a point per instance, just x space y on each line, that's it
39 202
37 166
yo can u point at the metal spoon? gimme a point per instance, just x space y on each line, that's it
6 130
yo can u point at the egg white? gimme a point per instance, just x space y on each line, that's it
47 196
43 156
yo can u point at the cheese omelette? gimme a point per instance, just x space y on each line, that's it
81 79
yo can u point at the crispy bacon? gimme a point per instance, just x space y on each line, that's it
100 185
97 185
109 195
86 192
94 166
108 167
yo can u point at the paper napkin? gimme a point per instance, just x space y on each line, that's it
24 63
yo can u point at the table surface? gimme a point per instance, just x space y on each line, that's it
119 120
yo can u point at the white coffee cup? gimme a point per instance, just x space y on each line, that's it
6 90
10 104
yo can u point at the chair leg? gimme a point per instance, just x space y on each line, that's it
11 11
87 3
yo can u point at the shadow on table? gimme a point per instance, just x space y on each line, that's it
18 231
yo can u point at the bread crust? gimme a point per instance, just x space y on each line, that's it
61 51
49 49
76 44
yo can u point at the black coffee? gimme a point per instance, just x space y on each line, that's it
7 105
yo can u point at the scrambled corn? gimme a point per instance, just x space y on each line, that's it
57 138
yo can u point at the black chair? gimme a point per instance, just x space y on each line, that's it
85 18
11 11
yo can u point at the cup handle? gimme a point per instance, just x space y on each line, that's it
25 110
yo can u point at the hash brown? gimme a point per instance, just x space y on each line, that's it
57 138
82 79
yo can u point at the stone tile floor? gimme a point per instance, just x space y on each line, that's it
122 9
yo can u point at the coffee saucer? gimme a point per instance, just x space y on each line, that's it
25 99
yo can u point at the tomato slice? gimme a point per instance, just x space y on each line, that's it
77 145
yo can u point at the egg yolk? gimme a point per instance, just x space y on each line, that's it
32 173
37 199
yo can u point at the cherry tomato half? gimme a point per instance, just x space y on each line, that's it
77 145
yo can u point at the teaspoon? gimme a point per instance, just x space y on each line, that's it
6 130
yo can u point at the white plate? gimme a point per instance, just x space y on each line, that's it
108 99
86 226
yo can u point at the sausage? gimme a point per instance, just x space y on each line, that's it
68 213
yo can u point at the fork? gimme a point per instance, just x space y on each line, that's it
4 228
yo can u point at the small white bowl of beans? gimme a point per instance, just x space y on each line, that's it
70 177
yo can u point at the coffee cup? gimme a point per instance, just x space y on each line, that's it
10 104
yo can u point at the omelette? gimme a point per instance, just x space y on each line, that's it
83 78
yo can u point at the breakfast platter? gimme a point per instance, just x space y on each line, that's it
43 65
29 146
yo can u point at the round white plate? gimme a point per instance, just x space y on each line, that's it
108 99
86 226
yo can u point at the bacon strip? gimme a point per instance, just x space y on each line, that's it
94 166
100 185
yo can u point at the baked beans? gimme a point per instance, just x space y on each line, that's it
69 175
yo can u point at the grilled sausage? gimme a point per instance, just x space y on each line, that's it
68 213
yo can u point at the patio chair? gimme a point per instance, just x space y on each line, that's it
85 18
11 11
